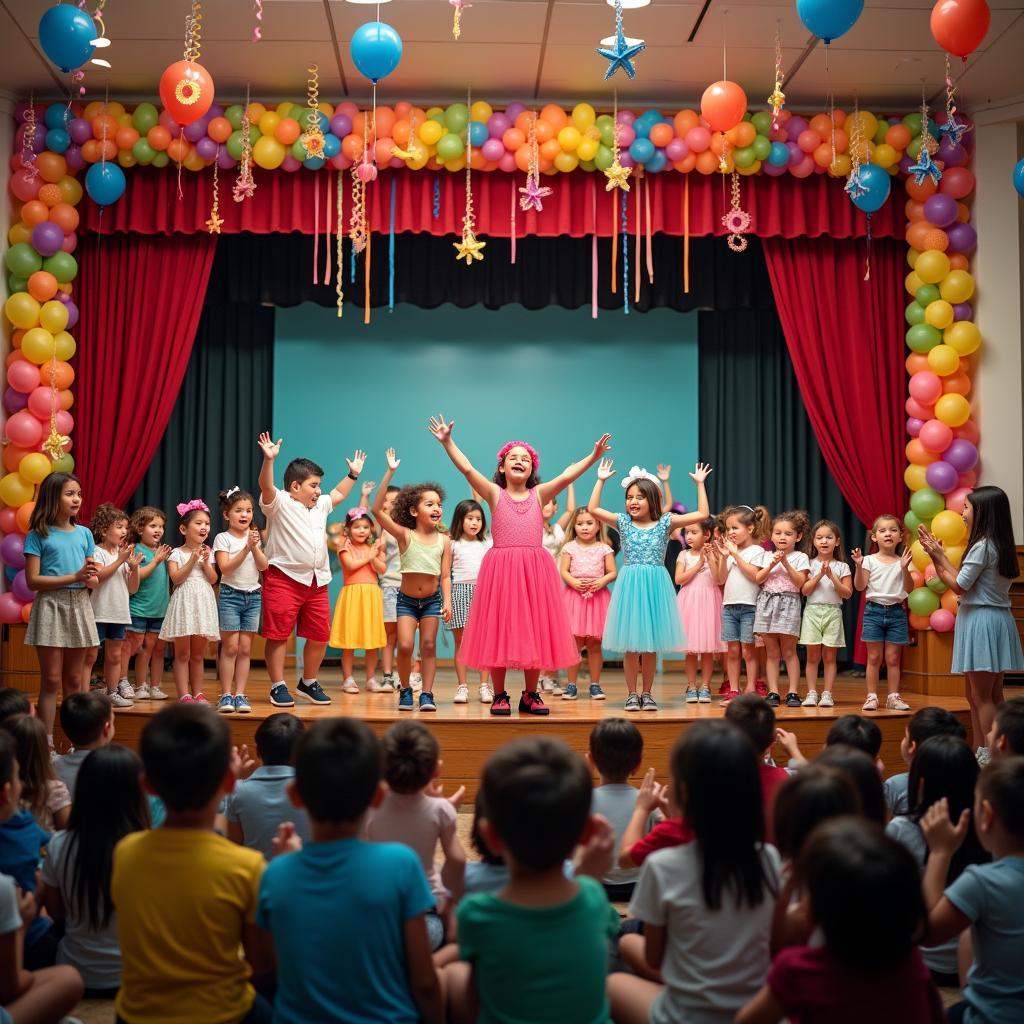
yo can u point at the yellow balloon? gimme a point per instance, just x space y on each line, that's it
569 138
269 121
22 310
754 168
64 346
458 164
20 233
948 527
567 162
912 255
583 116
938 314
955 554
35 467
268 152
71 190
954 410
943 360
284 108
15 490
430 132
932 266
325 108
885 156
868 123
587 149
254 112
53 316
38 346
958 286
919 556
913 283
914 478
963 336
480 111
417 162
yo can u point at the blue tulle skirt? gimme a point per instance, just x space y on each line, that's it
643 615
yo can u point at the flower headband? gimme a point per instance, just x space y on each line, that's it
196 504
520 444
638 473
357 513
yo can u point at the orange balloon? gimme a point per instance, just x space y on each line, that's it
707 162
921 191
524 120
158 137
919 621
822 124
42 286
23 517
662 134
51 195
178 149
14 357
842 140
477 160
823 154
108 150
917 362
91 151
958 261
936 238
919 455
917 234
61 374
958 383
26 612
385 122
513 139
34 212
126 138
545 131
13 456
66 399
914 210
723 105
522 155
351 146
687 164
950 602
288 130
898 136
963 213
382 151
219 129
555 116
718 143
104 127
402 110
65 216
550 149
685 120
400 132
20 333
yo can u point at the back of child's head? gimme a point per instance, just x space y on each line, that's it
1001 783
865 893
337 769
8 757
411 753
186 753
1009 724
298 471
757 519
796 518
141 518
855 731
928 722
476 836
276 738
815 794
232 496
755 718
712 758
992 522
862 771
46 510
838 553
537 798
409 498
463 509
13 702
33 753
616 748
105 516
83 716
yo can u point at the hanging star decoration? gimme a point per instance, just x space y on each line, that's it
56 443
312 138
532 197
925 166
469 247
953 129
623 53
855 187
245 184
460 6
617 175
215 222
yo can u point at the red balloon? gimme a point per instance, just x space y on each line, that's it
959 26
186 91
957 182
723 105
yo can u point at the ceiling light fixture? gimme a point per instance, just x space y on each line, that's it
100 62
369 2
626 4
630 41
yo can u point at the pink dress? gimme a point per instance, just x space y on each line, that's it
700 609
517 619
586 612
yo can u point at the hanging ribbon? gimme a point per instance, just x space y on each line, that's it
593 248
512 220
437 196
867 258
391 249
257 31
625 255
316 234
327 228
686 234
650 240
339 254
615 244
366 262
639 247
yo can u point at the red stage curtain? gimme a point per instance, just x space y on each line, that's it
306 201
141 298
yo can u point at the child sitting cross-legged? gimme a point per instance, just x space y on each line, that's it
88 722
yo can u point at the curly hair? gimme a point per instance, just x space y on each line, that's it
105 516
409 498
141 518
797 518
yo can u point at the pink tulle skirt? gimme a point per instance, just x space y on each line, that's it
517 618
700 609
587 612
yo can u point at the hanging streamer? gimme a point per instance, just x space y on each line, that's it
327 229
512 220
215 221
639 247
625 255
366 267
245 184
391 250
593 248
437 196
257 31
339 253
686 235
316 235
615 245
650 240
867 258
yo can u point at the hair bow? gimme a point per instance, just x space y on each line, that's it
230 491
520 444
357 513
184 507
639 473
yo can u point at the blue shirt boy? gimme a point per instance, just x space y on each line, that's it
260 803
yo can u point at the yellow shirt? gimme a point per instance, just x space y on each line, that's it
183 897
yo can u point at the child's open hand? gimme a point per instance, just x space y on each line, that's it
930 543
271 448
788 742
440 429
367 489
941 834
355 464
287 840
393 460
135 560
700 473
605 470
602 445
664 472
243 764
652 796
906 558
594 857
857 555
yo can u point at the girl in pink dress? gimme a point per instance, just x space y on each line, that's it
700 607
517 619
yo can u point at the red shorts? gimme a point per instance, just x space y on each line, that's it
289 605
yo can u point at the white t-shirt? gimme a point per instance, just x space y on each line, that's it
553 540
10 915
715 960
297 538
392 576
246 577
466 558
110 598
179 556
885 581
738 589
825 591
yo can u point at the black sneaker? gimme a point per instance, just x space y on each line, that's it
773 700
280 697
500 706
647 702
312 692
531 704
792 700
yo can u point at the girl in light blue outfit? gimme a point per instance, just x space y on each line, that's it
643 617
985 641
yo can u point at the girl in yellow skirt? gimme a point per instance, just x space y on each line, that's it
359 614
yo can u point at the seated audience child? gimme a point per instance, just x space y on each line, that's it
260 803
88 722
13 702
22 842
347 917
26 997
863 773
185 896
409 815
986 897
755 718
923 725
489 873
109 804
706 906
858 732
42 793
1007 736
860 891
538 950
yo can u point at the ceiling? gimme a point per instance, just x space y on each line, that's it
531 49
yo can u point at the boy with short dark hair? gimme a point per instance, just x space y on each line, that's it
186 896
347 916
755 718
260 803
923 725
858 732
13 702
88 722
1007 736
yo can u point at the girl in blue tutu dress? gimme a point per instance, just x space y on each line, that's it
643 618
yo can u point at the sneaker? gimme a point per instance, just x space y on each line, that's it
280 697
155 693
647 702
632 703
703 695
226 704
126 689
427 701
792 700
871 703
760 688
531 703
545 685
311 690
826 700
811 700
486 693
142 692
729 695
461 695
373 685
416 681
120 702
405 698
349 685
894 702
388 684
501 705
774 700
200 698
983 755
691 696
596 693
242 704
186 699
724 688
570 692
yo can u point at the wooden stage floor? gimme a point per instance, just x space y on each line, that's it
468 733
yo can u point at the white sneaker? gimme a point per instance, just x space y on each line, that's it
546 684
155 693
416 681
871 704
142 692
126 689
374 685
388 683
349 685
983 756
461 695
894 702
826 700
811 700
486 693
120 702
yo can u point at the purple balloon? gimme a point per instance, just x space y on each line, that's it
941 476
12 550
914 426
493 149
225 161
940 210
951 154
38 143
216 110
63 297
796 125
962 238
677 150
206 148
47 238
498 124
626 160
72 314
905 164
80 130
20 588
197 129
341 125
15 401
962 455
73 155
290 163
796 154
773 170
513 110
963 311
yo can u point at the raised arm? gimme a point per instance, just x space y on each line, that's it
341 490
442 431
271 449
604 472
944 839
664 472
571 473
399 532
700 473
570 507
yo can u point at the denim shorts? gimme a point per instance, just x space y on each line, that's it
110 630
239 610
420 607
390 595
884 623
738 623
140 624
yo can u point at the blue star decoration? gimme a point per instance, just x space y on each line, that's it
925 168
622 56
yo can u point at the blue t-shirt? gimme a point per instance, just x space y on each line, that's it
895 789
992 897
61 552
22 841
337 911
979 577
260 803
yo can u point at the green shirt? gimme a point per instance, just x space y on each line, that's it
511 948
150 600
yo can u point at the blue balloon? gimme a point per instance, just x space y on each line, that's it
105 183
478 133
66 34
657 162
57 140
829 19
779 156
1018 178
878 184
376 49
332 145
641 150
58 115
313 163
642 128
651 115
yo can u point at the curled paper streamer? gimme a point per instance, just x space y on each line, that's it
257 31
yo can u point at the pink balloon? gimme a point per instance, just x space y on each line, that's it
935 436
930 571
626 135
24 186
507 163
942 621
917 410
925 386
65 422
955 499
969 479
24 430
10 609
493 149
698 139
23 376
70 243
339 162
804 169
677 150
346 107
808 141
968 431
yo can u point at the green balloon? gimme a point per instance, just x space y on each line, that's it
936 586
309 114
65 464
604 158
450 146
927 503
23 260
761 147
63 266
923 337
299 150
161 160
143 152
762 121
883 127
912 521
605 119
587 165
922 601
235 145
16 284
607 135
145 117
234 114
927 294
436 114
456 117
744 156
913 122
914 313
914 149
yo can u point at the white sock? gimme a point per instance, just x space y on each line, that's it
280 682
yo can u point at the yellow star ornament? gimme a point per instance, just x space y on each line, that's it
469 248
618 176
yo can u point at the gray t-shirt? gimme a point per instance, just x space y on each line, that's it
617 801
67 765
896 794
10 915
259 804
